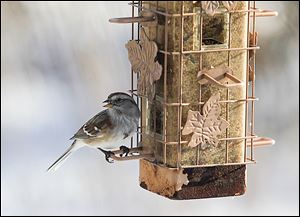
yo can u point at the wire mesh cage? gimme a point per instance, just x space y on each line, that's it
193 77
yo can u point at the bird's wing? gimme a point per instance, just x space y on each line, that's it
97 126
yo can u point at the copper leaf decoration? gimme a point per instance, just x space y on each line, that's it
211 7
228 4
142 59
206 127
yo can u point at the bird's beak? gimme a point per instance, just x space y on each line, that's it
108 105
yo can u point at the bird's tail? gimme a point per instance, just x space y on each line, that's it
64 157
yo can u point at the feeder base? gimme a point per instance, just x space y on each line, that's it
203 182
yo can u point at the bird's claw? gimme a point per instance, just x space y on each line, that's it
125 150
108 154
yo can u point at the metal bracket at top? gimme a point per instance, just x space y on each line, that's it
146 18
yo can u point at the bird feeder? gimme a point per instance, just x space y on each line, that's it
193 76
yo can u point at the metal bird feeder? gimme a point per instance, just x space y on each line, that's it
193 76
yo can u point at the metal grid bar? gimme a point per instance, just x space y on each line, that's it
165 85
221 139
138 101
201 103
251 10
227 90
209 51
200 69
141 101
184 142
221 101
179 118
253 83
224 164
154 103
227 117
132 38
210 165
247 81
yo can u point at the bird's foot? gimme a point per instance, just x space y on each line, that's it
125 150
108 154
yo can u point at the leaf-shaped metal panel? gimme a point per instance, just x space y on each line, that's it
228 4
211 110
210 7
142 59
206 127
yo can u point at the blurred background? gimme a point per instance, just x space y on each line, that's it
59 61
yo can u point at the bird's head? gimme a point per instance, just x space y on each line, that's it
121 102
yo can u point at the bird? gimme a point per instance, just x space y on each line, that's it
107 129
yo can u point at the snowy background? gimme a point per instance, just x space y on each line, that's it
59 61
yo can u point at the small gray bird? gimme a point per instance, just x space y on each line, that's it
106 130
